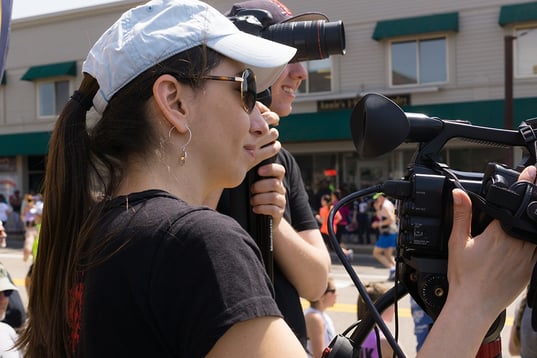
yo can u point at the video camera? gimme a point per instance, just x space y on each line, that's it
424 202
424 195
314 40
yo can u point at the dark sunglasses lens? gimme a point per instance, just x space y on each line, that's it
249 90
7 293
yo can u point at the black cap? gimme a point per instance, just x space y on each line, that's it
280 12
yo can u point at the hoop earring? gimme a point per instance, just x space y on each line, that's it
183 155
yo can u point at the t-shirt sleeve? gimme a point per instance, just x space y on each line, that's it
208 280
299 212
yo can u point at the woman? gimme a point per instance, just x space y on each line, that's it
130 263
30 218
319 325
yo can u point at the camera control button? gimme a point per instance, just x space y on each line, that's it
532 210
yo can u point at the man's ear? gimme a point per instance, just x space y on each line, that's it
169 97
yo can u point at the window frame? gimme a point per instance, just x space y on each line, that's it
516 28
419 38
51 80
306 82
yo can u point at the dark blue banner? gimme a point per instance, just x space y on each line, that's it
5 18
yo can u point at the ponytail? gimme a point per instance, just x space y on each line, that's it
68 199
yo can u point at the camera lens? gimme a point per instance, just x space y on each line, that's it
314 40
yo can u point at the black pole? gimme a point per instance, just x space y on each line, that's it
508 109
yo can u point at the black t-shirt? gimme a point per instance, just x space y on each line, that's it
169 283
298 213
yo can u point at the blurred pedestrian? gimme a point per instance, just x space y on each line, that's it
364 225
16 312
319 325
422 323
31 218
5 211
387 225
8 336
15 200
343 220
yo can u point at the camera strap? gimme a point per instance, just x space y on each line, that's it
528 130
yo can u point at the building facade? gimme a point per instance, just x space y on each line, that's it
442 59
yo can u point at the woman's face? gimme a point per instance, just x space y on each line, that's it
225 136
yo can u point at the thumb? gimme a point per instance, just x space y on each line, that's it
462 217
528 174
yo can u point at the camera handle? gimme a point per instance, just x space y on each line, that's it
236 203
262 224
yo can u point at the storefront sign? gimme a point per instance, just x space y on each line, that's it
349 103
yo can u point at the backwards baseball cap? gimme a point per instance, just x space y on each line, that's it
378 195
151 33
280 12
5 283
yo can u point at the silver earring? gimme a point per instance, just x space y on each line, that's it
183 155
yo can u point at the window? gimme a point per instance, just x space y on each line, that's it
52 97
319 76
525 52
418 62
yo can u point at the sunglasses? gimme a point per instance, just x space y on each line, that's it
248 87
7 293
332 290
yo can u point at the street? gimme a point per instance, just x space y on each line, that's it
343 313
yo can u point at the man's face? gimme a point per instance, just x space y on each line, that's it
285 87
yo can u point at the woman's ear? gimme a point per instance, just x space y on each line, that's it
169 95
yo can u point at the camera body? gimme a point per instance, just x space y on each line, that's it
313 39
425 220
424 194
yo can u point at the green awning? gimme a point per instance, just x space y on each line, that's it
35 143
510 14
416 25
50 70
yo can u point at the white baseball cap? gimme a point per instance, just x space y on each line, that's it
149 34
5 283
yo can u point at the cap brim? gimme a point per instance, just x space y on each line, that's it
377 195
308 16
6 285
266 58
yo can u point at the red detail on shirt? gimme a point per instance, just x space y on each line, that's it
75 311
